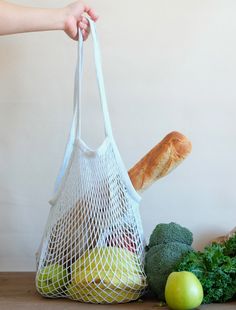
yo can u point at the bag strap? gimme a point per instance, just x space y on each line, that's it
100 82
76 123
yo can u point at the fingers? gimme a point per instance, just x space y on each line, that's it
85 35
92 14
85 28
83 22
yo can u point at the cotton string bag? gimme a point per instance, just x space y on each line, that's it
92 248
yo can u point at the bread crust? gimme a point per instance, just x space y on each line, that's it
223 239
160 160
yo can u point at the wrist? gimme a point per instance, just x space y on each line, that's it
66 18
61 17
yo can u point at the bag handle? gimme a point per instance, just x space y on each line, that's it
100 82
75 130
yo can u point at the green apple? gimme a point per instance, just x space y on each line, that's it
51 280
183 291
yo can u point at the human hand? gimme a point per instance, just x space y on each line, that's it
73 18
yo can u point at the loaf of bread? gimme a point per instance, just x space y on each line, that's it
223 239
160 160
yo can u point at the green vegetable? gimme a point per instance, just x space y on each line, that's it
215 267
167 244
172 232
230 246
160 261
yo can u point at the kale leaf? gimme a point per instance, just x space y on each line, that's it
215 270
230 246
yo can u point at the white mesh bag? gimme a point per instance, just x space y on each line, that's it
92 249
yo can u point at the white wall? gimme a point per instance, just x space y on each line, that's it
168 65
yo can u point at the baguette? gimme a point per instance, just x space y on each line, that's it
160 160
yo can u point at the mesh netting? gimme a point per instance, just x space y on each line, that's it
93 245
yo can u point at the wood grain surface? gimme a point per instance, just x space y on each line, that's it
17 292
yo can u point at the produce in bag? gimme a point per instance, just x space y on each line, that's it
92 249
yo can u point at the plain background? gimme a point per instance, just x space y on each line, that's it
168 65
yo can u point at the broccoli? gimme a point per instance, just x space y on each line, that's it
172 232
167 244
160 261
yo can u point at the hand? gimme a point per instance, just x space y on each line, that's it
74 18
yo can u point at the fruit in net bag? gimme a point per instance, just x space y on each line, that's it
106 274
51 280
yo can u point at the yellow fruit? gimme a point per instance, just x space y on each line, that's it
106 275
95 278
109 279
108 258
98 295
109 267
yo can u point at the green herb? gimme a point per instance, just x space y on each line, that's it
230 246
215 267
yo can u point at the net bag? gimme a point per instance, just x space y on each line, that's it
92 248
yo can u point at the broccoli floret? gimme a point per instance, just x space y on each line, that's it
160 261
172 232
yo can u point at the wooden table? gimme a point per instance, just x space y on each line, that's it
17 291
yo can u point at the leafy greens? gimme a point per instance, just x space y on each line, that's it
215 268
